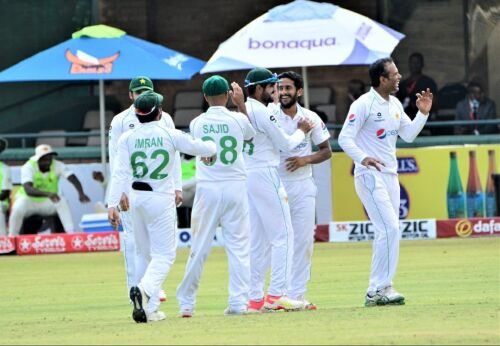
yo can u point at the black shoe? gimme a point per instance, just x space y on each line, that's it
139 314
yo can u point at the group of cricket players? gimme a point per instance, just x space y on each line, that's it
254 181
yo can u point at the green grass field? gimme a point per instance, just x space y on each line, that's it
451 286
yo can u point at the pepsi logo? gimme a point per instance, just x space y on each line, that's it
352 118
381 133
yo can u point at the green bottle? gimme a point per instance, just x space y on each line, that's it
455 194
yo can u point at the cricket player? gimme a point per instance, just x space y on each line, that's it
145 161
369 135
121 123
221 197
271 227
296 173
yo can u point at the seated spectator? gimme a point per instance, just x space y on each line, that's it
475 106
355 88
39 194
5 188
409 87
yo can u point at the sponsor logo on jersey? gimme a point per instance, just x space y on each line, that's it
352 118
382 133
379 117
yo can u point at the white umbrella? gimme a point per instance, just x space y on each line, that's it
305 33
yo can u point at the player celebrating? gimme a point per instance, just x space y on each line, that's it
271 227
145 159
296 172
220 197
121 123
369 137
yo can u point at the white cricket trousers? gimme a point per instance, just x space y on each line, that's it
153 216
271 236
379 193
224 203
129 250
302 200
24 207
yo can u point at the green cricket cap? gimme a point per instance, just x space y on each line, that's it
215 85
147 102
141 83
260 75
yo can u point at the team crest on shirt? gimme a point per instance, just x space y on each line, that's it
397 116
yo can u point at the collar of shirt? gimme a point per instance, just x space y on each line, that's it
377 96
215 108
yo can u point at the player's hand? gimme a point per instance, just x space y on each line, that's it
295 162
236 94
114 217
424 101
98 176
54 197
305 125
178 198
124 204
84 198
208 160
370 161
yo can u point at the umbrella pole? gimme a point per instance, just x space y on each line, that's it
101 126
306 87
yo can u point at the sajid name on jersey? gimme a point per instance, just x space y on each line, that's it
144 143
215 128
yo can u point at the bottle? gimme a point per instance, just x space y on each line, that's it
490 199
475 195
455 194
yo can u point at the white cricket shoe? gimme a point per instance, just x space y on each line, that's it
230 311
274 303
385 296
163 296
156 316
186 312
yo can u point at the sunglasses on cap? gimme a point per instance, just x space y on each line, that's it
272 79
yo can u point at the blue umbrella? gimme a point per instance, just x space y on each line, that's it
101 53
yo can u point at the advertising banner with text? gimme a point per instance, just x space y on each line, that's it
433 183
363 230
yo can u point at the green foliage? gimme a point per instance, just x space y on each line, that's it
451 288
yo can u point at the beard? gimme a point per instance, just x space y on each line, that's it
266 97
292 100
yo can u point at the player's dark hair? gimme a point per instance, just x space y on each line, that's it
377 69
149 117
295 77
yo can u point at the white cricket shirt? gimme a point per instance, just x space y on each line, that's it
145 155
269 138
228 130
127 120
317 135
372 128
